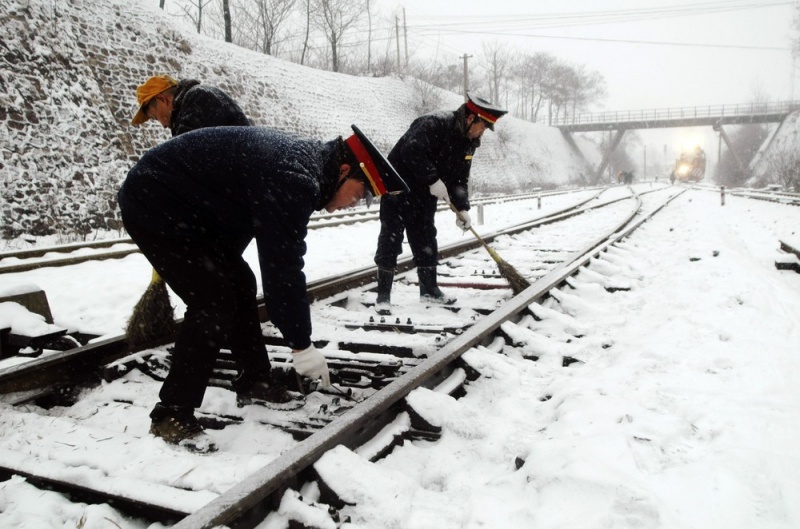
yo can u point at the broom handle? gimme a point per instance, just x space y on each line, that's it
494 254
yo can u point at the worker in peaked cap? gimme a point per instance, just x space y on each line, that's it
193 204
185 105
434 157
484 109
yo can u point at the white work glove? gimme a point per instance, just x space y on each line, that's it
439 190
463 220
311 363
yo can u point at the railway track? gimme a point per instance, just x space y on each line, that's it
781 197
769 195
70 254
375 366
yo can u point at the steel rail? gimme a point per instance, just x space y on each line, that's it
362 433
262 489
43 374
792 199
327 220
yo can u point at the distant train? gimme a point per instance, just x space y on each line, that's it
690 167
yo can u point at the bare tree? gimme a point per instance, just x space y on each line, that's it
556 90
334 18
385 61
498 61
783 166
368 6
532 73
268 17
308 31
193 10
226 16
584 87
448 77
428 94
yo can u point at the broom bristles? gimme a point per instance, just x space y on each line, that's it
153 316
515 280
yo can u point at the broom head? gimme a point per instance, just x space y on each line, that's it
153 316
514 278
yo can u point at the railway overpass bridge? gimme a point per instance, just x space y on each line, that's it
717 116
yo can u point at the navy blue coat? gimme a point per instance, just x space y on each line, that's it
234 184
435 147
197 105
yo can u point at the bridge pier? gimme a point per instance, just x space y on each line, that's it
718 128
607 156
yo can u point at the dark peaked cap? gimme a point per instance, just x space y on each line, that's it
484 109
380 174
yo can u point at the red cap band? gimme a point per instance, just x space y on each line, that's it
371 172
481 113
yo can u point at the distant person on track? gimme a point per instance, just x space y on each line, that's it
193 204
627 177
186 105
434 156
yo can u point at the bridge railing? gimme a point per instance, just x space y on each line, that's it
742 109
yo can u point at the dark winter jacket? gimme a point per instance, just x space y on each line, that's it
435 147
233 184
196 106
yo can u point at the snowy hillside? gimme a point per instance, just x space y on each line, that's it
777 162
69 75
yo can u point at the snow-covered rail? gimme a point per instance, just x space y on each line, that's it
375 366
80 252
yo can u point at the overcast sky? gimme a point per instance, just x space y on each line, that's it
652 53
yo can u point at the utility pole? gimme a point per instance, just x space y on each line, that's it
466 89
397 33
466 75
405 35
644 176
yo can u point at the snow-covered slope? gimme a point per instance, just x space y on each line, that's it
69 72
777 160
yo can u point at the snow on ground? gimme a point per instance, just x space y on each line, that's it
683 412
109 289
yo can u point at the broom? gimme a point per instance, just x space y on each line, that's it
514 278
153 316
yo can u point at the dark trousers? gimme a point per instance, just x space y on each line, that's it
219 290
413 213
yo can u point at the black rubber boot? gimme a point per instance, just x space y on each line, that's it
383 304
429 291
